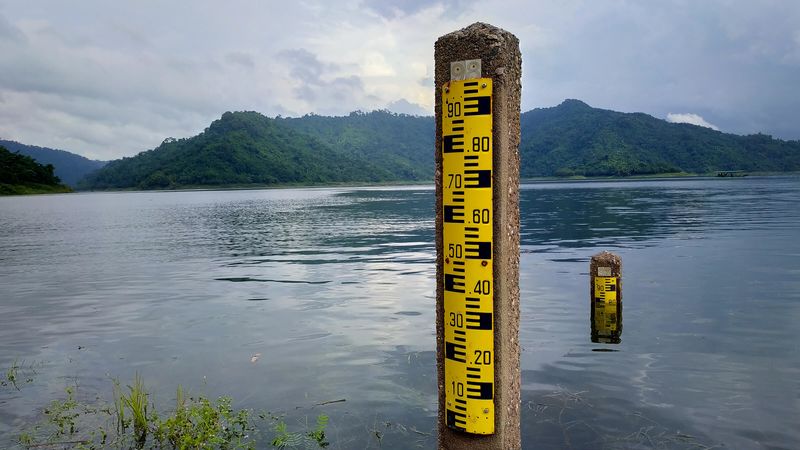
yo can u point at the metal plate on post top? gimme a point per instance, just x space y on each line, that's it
465 70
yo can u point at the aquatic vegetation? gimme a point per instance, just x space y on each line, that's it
285 439
132 421
11 375
16 372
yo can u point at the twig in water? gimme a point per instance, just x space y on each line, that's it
419 432
50 444
644 432
331 401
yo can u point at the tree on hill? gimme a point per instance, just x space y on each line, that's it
69 167
19 173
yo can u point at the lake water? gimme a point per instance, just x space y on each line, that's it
332 292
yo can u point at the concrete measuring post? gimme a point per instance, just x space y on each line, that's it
477 78
605 297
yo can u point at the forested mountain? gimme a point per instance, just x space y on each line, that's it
20 174
576 139
572 138
69 167
244 148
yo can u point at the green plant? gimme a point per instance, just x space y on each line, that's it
201 423
136 401
64 413
11 375
133 422
16 372
119 408
318 433
284 439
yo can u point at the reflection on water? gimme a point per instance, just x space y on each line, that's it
334 288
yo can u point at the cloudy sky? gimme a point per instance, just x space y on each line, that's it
108 79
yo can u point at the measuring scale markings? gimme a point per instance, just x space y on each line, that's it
605 305
468 239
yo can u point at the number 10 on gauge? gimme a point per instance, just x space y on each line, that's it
468 243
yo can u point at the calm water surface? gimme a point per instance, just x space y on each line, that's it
333 290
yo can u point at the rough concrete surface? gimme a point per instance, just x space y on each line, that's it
501 60
606 259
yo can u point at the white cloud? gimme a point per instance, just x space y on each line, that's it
691 118
403 106
76 76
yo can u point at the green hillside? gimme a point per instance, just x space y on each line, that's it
241 148
399 144
247 148
576 139
20 174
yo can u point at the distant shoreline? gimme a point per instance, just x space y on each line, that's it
534 180
654 177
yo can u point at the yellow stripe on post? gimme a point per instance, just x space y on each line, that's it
605 285
605 305
468 241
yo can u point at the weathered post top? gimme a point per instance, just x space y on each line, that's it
477 237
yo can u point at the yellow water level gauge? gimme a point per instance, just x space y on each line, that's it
468 244
606 312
